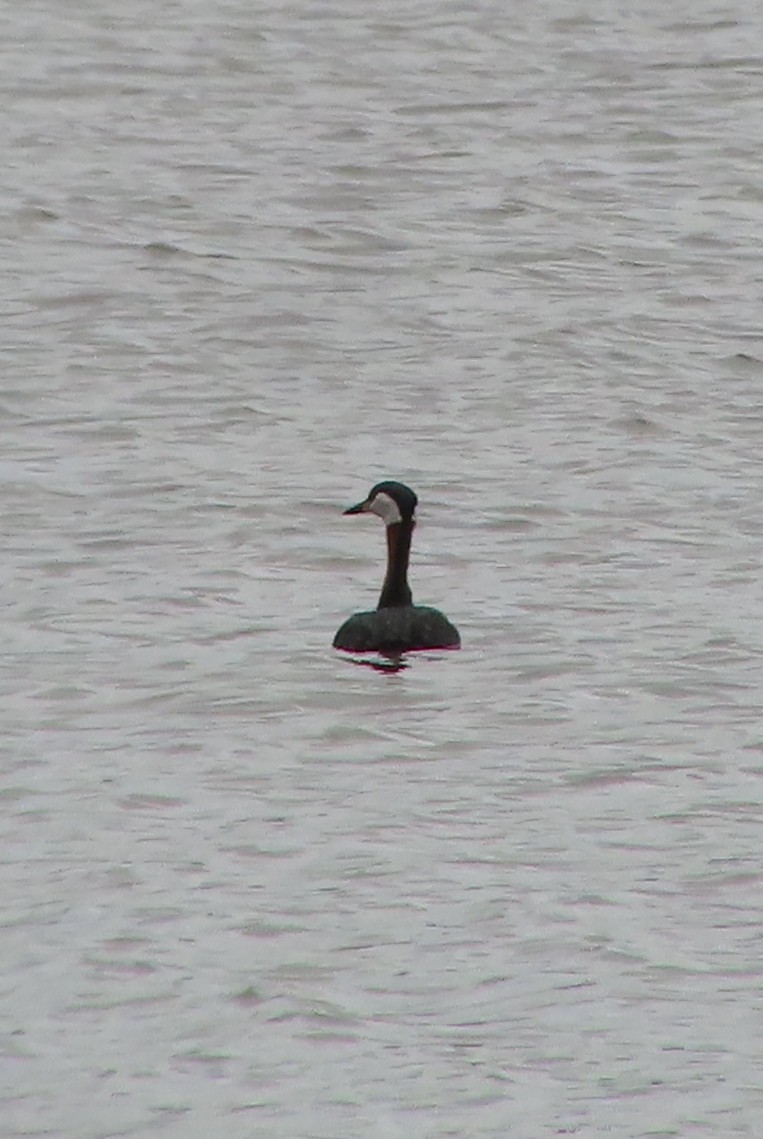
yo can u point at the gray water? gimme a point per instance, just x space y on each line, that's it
257 257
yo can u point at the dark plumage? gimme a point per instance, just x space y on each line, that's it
396 625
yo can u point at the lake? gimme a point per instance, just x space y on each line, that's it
258 257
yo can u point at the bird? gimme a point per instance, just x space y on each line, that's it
396 625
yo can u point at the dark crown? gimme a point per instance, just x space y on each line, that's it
402 494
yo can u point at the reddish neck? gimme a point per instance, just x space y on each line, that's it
396 590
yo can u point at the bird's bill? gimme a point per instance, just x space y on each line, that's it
359 508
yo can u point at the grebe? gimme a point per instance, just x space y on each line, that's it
396 625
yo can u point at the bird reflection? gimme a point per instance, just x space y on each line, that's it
387 662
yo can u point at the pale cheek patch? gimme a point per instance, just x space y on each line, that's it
386 508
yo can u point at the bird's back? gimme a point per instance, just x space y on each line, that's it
397 629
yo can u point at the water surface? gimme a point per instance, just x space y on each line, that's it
256 259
